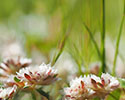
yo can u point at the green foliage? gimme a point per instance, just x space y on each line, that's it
33 95
16 79
122 82
96 98
67 16
115 95
43 93
118 41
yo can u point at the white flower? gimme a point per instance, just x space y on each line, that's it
6 93
18 61
8 81
10 66
78 90
110 83
103 85
12 50
25 61
91 80
39 75
91 86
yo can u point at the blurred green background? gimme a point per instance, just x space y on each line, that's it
36 27
39 25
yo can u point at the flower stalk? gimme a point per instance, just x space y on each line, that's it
103 38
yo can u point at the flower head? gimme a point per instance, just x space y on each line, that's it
91 86
78 90
12 80
110 83
11 66
6 93
103 85
39 75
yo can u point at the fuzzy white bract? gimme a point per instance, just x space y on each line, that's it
11 66
90 79
6 93
38 75
77 90
8 81
110 83
91 86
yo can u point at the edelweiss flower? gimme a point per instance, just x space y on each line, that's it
6 93
78 90
39 75
11 66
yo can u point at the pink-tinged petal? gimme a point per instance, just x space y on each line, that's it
82 83
10 95
49 72
27 76
68 96
93 83
102 81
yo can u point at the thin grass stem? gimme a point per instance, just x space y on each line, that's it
60 47
118 41
103 67
93 40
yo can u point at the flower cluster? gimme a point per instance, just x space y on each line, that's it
12 65
78 90
90 86
39 75
17 74
6 93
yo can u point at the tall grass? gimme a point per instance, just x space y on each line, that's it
103 38
118 41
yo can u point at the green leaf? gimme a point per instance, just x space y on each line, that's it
25 87
122 82
43 93
115 95
96 98
16 79
59 97
33 95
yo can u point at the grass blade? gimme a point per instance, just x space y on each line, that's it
118 42
103 67
60 47
93 40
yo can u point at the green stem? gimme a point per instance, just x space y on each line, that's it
43 93
93 40
103 38
118 42
61 47
78 63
